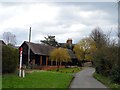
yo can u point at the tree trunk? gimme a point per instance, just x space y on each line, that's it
60 63
65 65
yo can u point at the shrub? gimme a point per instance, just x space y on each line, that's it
10 57
106 55
102 64
115 74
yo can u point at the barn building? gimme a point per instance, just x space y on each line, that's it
39 54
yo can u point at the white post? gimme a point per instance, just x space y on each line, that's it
20 71
23 73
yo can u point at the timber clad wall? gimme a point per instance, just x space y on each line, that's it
40 60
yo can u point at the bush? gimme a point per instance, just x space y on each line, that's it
10 58
106 55
115 74
102 64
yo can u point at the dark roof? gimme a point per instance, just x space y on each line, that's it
2 42
40 49
62 45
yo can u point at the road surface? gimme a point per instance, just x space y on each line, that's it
84 79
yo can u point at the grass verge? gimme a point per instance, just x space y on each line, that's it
106 81
0 82
43 79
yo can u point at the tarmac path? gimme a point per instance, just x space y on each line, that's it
84 79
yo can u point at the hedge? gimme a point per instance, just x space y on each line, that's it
10 58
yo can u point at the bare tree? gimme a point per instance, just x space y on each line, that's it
9 38
99 37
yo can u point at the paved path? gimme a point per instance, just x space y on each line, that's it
84 79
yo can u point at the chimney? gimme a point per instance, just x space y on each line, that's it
69 41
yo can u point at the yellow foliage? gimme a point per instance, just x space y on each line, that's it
84 49
79 52
60 54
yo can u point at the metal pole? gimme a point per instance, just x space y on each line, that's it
118 61
29 46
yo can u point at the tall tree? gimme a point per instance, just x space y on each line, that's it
84 49
9 38
59 55
103 56
99 37
106 56
50 40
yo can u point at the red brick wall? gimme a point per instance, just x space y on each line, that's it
50 67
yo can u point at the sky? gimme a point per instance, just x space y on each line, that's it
64 20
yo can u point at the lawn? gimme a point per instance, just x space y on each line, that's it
41 79
106 81
0 82
67 70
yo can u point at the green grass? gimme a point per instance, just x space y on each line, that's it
0 82
106 81
43 79
67 70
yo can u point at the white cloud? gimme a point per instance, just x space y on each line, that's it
77 27
63 21
29 14
92 14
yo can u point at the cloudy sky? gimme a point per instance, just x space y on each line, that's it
63 19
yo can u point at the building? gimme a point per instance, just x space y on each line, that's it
69 41
2 42
68 44
39 54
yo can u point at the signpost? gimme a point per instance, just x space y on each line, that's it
20 67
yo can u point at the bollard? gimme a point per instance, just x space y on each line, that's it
23 73
20 72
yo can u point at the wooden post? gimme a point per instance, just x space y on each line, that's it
46 61
41 60
29 46
33 61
